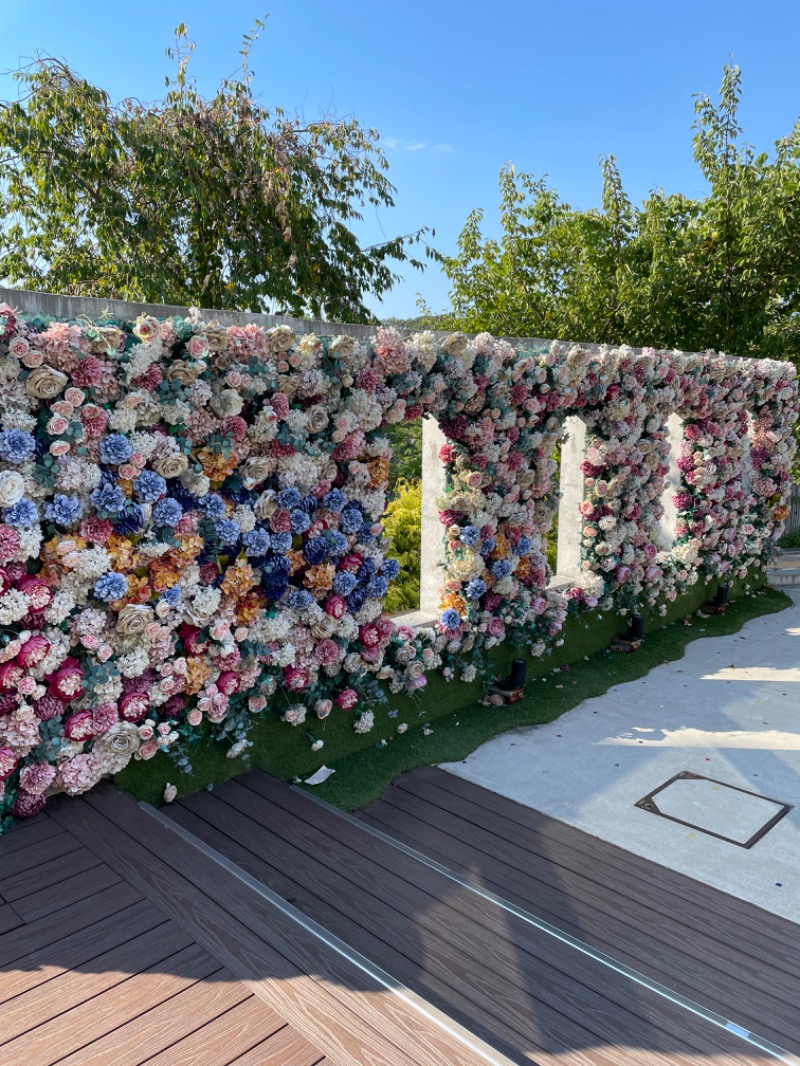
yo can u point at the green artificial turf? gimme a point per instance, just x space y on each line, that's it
445 721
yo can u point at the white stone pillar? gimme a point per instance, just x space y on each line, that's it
432 552
573 450
666 526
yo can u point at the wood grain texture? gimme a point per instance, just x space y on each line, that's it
225 1038
47 863
64 893
26 833
286 1048
64 1039
9 919
694 956
314 988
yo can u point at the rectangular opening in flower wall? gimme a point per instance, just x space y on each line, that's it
191 505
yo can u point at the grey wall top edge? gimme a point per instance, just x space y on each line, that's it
54 305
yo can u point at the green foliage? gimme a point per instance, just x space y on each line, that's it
406 442
403 526
218 202
790 540
719 272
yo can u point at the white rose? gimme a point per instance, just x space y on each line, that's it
183 372
341 346
227 403
12 488
45 383
172 465
455 344
281 338
133 619
317 419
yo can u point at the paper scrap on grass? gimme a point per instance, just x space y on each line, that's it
321 775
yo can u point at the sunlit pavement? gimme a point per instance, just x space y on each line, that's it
729 710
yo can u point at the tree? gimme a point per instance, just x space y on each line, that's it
216 202
720 271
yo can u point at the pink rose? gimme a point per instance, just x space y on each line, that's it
369 636
148 749
33 650
36 591
496 628
133 706
192 643
194 717
323 708
335 606
295 678
228 682
347 699
65 683
79 726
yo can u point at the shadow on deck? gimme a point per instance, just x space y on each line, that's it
444 925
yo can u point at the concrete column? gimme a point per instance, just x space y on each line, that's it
433 546
570 525
666 526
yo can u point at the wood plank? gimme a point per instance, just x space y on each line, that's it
65 893
669 887
9 919
65 1038
225 1038
48 852
285 1048
50 931
156 1030
26 833
316 990
42 999
42 865
490 945
662 949
78 950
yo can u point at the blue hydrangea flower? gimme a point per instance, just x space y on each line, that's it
111 586
213 506
281 543
356 599
337 542
315 550
502 568
487 545
524 546
366 571
471 536
149 486
334 501
108 500
130 521
288 498
299 599
390 568
228 531
450 618
23 514
173 596
115 449
344 582
16 445
257 542
352 520
377 587
475 588
64 510
167 512
300 520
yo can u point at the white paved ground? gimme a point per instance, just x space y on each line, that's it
729 710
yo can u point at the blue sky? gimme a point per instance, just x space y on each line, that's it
457 88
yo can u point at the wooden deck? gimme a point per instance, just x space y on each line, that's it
443 926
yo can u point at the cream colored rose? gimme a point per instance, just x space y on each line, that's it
317 418
227 403
147 328
217 336
265 505
198 484
281 339
455 344
184 372
324 627
467 565
108 338
288 385
12 488
133 619
117 747
341 346
414 670
44 383
257 469
172 465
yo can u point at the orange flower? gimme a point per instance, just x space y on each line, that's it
378 472
190 547
139 591
123 553
198 672
164 573
238 579
296 561
249 607
216 467
458 603
126 486
502 549
320 578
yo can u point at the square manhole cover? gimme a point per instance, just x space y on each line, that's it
723 811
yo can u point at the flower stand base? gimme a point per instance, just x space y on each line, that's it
622 644
499 696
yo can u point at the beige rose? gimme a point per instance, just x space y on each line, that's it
281 339
184 372
12 488
324 628
455 344
133 619
288 385
172 465
198 484
341 346
256 469
227 403
217 337
108 338
265 505
147 328
117 747
317 418
414 670
44 383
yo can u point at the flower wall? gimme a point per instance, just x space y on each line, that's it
190 519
